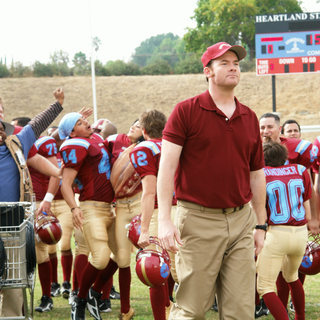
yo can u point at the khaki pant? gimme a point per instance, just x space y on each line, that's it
126 209
283 250
98 218
62 211
81 246
217 255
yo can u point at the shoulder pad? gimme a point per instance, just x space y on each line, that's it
42 140
113 137
149 145
302 146
301 168
76 142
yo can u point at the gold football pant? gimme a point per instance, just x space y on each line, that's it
126 209
62 211
283 250
98 218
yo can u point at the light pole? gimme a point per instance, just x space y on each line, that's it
94 48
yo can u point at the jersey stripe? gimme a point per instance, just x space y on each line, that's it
41 141
113 137
302 146
301 169
150 145
76 142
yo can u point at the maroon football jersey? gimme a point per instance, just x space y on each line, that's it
145 158
91 159
300 151
315 166
288 187
46 147
117 144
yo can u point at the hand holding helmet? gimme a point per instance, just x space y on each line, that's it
153 264
47 228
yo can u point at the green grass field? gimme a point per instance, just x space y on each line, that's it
140 301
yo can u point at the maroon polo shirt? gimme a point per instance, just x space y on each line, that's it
218 153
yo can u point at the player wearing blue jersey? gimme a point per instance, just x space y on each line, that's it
288 209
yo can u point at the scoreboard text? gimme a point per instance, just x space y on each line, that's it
288 45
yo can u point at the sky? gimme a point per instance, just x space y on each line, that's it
33 30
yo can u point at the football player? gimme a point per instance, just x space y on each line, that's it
288 209
127 206
87 158
145 158
44 188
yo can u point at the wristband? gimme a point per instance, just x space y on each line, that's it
74 208
263 227
48 197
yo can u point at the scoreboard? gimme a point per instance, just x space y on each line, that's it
287 43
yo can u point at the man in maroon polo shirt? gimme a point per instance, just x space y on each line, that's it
215 172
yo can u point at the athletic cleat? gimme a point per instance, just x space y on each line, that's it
45 305
291 307
215 305
127 316
78 309
105 305
55 289
114 294
93 303
65 290
264 308
72 295
261 310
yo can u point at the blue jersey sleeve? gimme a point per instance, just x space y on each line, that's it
27 139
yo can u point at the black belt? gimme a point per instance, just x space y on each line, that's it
231 210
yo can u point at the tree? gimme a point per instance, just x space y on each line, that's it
116 68
100 69
231 21
59 61
42 70
190 64
17 69
81 64
4 72
119 68
162 46
157 67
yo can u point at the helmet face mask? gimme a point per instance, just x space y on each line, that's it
48 229
310 264
153 264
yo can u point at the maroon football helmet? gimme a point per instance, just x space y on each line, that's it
97 125
134 230
310 264
153 264
48 229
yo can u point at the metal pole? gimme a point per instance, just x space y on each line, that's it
93 77
93 74
274 93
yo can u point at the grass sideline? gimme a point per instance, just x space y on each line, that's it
140 301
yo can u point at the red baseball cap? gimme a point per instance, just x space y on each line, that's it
220 48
